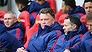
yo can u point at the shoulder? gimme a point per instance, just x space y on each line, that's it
7 37
86 36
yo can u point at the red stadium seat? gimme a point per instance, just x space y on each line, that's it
83 19
62 18
2 12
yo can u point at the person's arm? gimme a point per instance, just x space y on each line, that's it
75 48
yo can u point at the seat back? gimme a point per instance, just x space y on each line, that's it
62 18
2 12
83 19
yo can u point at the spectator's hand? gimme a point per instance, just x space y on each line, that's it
67 50
21 50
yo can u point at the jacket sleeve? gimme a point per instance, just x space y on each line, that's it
75 48
18 33
10 42
79 47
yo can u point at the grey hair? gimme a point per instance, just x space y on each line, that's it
11 12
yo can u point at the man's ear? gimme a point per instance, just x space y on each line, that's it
74 26
15 19
20 5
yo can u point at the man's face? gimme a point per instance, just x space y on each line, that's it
41 2
65 8
46 19
20 6
89 25
67 25
88 7
9 19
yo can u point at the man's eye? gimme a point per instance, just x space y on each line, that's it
64 25
9 18
89 25
40 19
86 7
46 19
90 7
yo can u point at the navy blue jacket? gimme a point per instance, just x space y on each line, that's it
85 45
82 29
66 41
77 10
44 39
17 30
35 7
8 41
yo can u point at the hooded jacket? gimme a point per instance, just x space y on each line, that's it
44 39
86 42
77 11
85 45
17 30
82 29
67 41
34 8
8 41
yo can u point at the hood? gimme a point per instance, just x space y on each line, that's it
71 34
82 29
34 6
16 25
3 28
77 9
55 26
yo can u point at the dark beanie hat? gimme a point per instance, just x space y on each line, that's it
70 3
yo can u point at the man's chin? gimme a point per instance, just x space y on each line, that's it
65 32
7 26
91 31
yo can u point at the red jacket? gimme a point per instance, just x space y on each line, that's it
58 14
52 4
